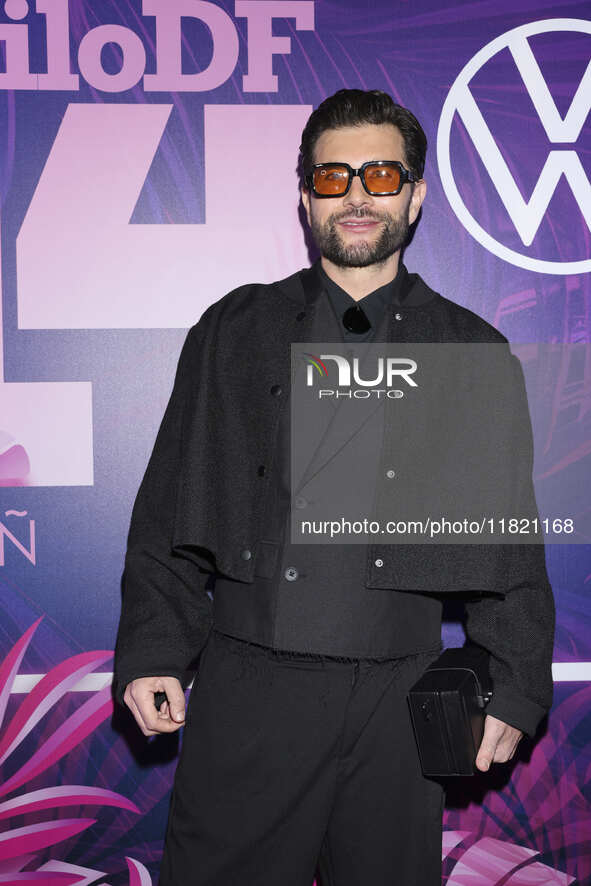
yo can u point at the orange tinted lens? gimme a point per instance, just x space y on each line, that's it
331 179
382 179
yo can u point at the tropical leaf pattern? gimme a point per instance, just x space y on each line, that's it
19 845
479 848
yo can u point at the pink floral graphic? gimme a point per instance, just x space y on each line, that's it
543 804
14 461
19 845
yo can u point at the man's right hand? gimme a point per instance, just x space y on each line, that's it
139 698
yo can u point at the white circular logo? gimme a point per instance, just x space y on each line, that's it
526 215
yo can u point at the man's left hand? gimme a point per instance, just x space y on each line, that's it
498 742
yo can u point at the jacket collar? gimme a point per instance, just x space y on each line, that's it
303 288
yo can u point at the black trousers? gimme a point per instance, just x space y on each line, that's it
293 769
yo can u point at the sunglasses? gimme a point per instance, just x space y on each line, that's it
381 178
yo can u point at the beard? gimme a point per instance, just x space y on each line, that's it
364 252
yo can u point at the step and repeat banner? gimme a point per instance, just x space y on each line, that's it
120 225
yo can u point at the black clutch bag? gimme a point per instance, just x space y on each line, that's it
447 707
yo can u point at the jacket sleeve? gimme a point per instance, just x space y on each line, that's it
517 628
166 612
518 631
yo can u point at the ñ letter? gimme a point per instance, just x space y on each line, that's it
29 552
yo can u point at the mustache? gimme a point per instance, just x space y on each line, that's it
358 215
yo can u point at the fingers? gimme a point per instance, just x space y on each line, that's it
128 699
176 699
139 697
519 737
499 743
485 756
486 752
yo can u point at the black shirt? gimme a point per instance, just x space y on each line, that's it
374 304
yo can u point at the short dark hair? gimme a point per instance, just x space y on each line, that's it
356 107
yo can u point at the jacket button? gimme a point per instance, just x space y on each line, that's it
276 390
261 470
379 562
301 315
246 554
291 573
390 473
301 502
397 316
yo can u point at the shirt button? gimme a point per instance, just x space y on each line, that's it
379 562
291 573
246 554
390 473
397 316
301 502
276 390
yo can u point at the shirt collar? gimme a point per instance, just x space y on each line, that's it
374 304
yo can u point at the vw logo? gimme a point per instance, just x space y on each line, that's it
562 166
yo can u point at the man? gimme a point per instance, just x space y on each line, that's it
298 756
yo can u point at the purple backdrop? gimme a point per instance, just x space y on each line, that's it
115 124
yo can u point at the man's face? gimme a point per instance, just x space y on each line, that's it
358 229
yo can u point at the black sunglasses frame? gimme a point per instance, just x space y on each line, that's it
405 176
